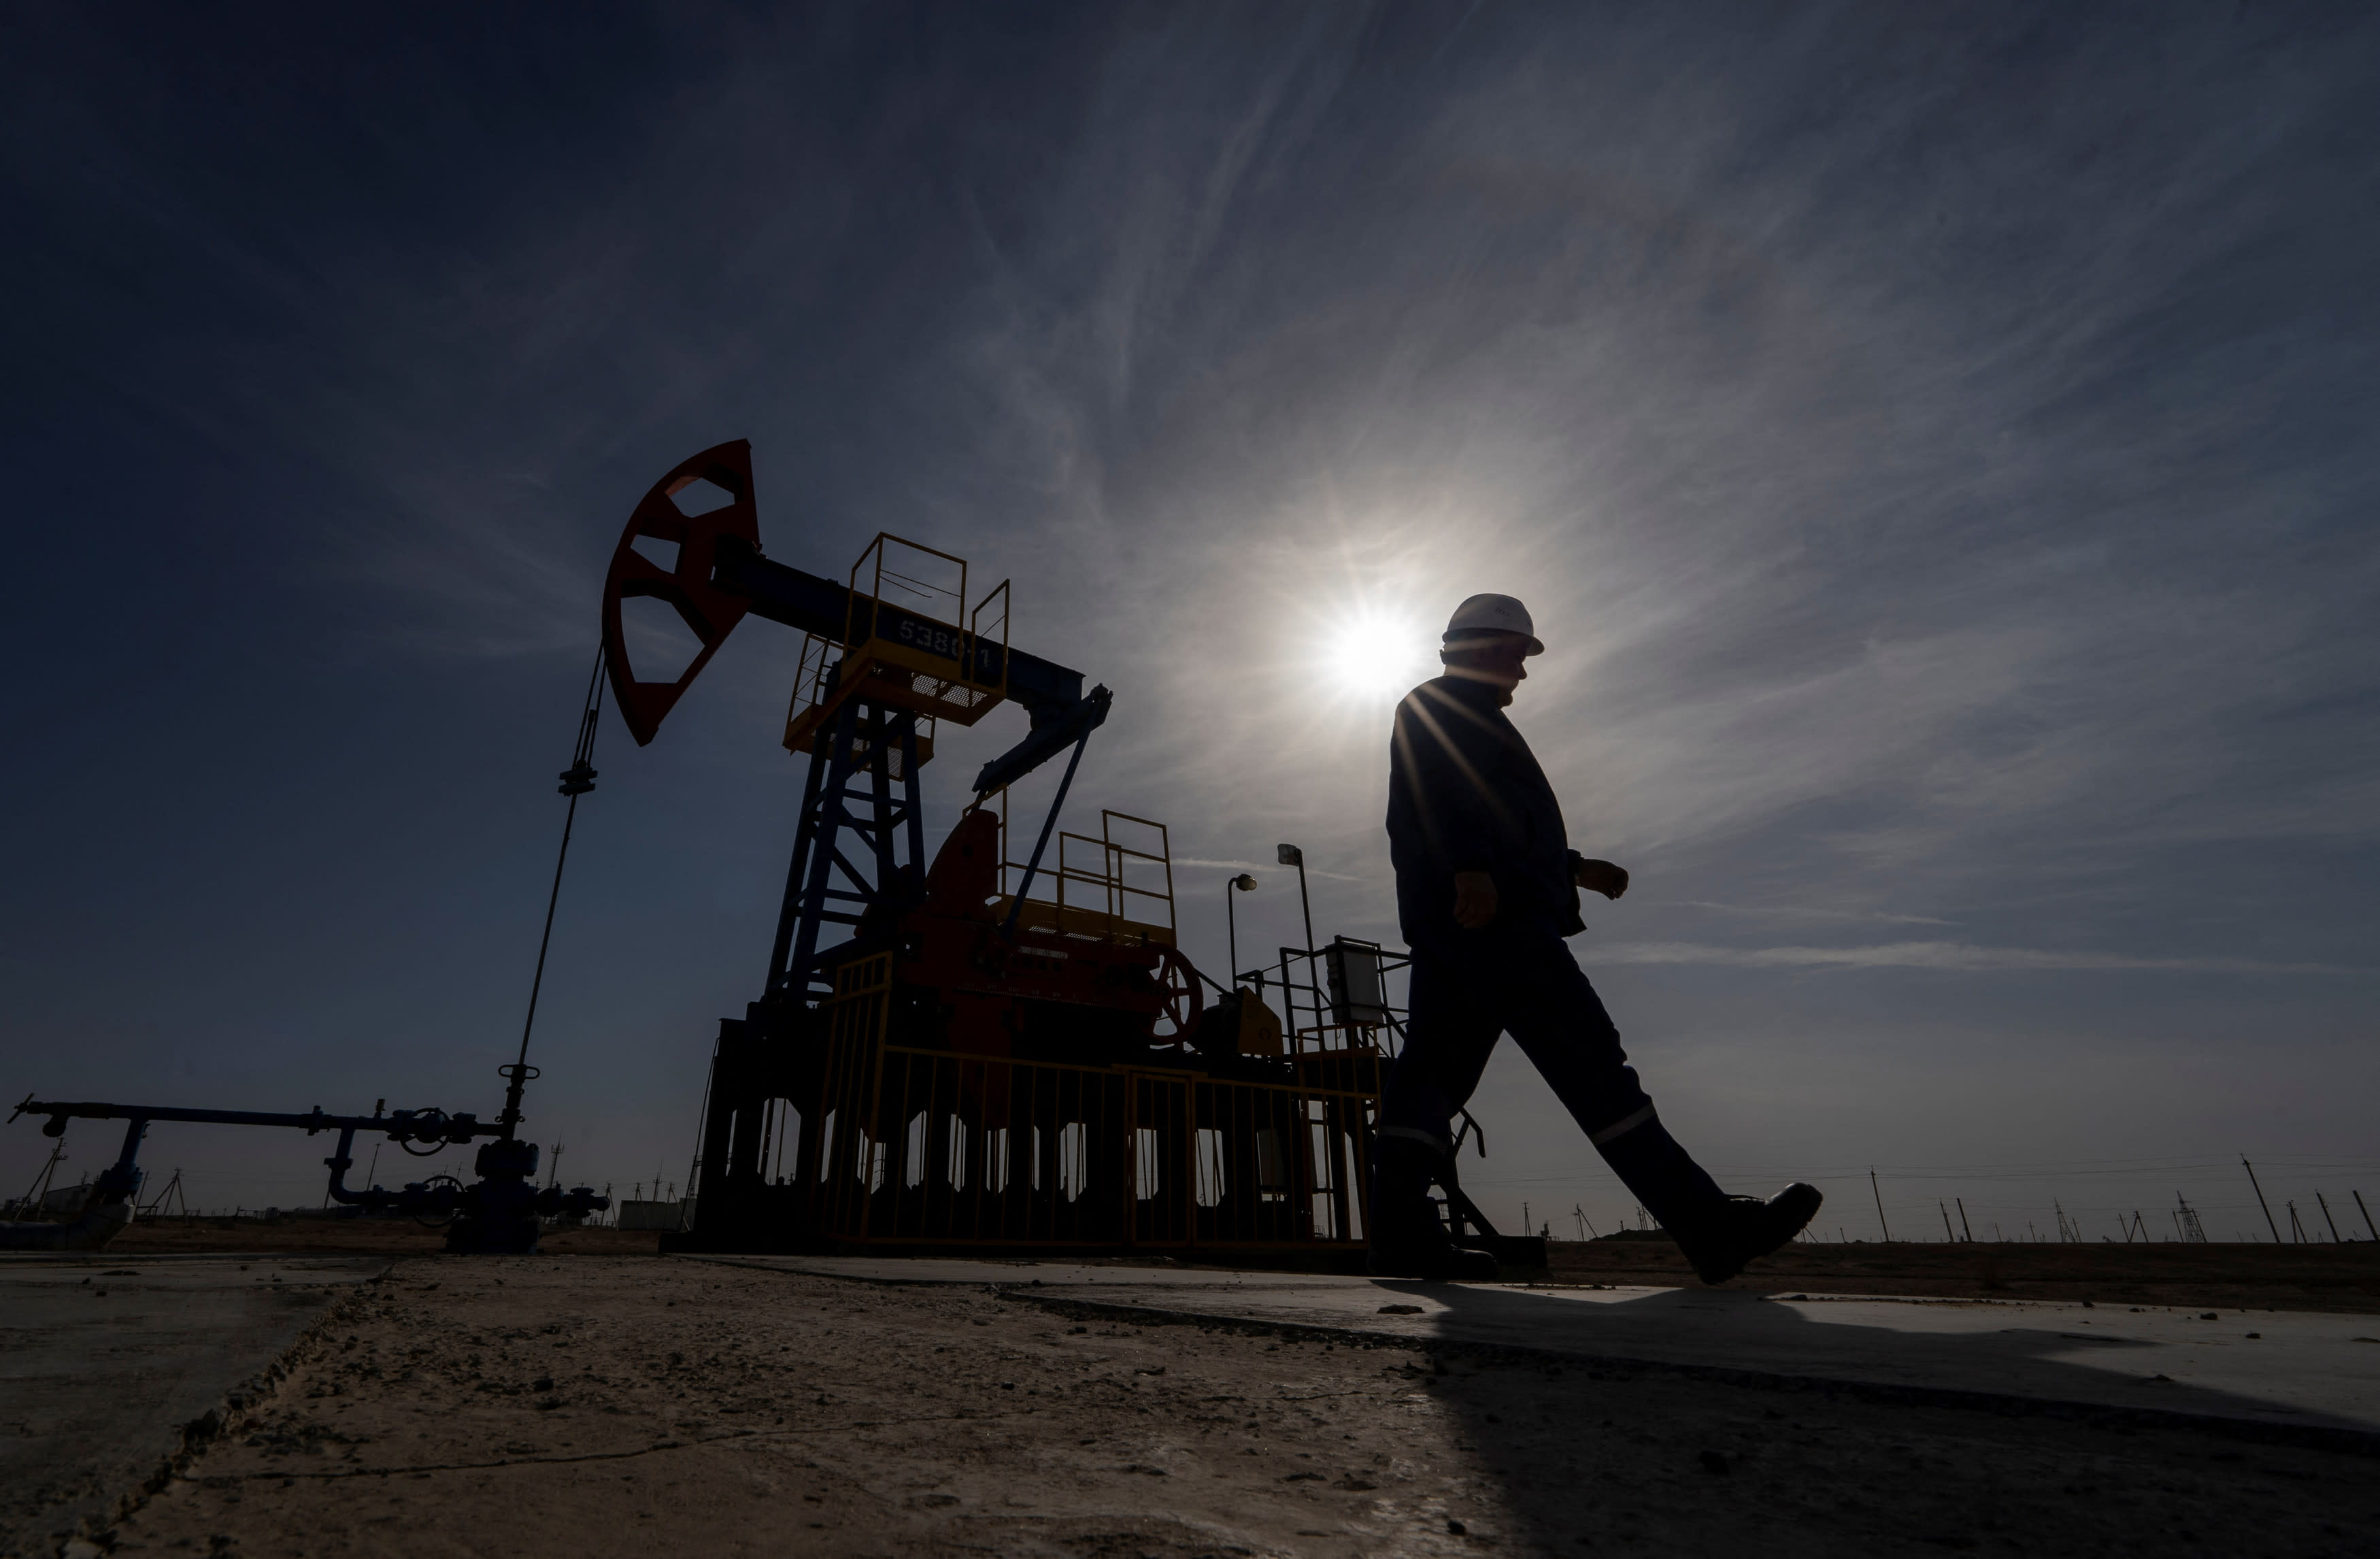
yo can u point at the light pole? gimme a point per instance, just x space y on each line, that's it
1291 855
1244 882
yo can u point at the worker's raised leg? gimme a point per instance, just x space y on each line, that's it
1561 1026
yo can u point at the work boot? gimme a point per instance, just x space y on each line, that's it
1739 1232
1409 1240
1719 1234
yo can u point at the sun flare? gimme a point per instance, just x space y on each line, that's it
1373 654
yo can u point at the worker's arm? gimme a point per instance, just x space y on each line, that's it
1474 892
1475 900
1597 876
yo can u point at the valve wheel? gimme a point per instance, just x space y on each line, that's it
1181 999
438 1220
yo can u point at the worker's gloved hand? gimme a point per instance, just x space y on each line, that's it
1600 877
1475 900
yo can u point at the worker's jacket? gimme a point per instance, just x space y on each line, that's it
1465 794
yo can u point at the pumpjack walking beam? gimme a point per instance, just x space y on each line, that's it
719 575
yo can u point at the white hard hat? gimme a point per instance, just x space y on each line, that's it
1493 613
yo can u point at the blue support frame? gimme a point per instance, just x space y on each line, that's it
856 813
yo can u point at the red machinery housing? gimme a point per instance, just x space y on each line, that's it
969 1085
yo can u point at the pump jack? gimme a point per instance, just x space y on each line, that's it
941 1058
949 1059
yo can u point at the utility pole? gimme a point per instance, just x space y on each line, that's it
1948 1236
2260 1199
2327 1218
1962 1219
1879 1205
2367 1213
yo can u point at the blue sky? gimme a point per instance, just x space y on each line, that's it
1936 450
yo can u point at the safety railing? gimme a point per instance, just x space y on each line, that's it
1344 996
916 1146
912 639
1118 887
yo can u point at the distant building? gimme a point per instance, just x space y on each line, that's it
656 1215
59 1201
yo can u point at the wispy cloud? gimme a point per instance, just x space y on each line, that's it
1956 955
1807 912
1265 866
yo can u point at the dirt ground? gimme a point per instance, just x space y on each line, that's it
605 1405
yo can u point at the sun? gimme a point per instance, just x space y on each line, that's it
1374 654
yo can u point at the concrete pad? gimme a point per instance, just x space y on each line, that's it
104 1358
2299 1371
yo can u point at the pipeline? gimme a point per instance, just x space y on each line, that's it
501 1213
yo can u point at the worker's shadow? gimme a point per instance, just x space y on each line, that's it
1735 1338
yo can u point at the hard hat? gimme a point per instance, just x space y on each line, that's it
1493 613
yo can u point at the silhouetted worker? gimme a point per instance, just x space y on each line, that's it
1487 890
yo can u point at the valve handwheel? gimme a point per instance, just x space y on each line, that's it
1179 993
436 1220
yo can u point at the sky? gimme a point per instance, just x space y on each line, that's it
1935 445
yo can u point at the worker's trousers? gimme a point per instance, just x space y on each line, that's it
1479 985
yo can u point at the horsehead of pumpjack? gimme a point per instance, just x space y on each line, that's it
719 575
